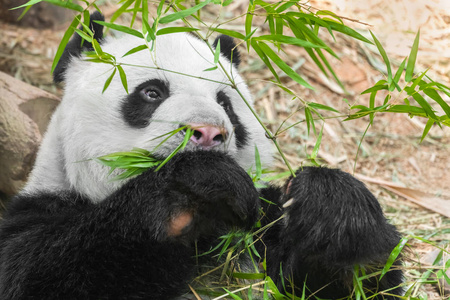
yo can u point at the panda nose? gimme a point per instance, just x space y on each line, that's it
207 136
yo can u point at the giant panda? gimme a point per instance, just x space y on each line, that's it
73 233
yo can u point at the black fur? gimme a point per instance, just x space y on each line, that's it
333 223
77 45
227 48
137 109
61 246
239 129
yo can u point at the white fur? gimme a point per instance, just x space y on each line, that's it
89 124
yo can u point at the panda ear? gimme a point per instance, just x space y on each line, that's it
228 49
76 46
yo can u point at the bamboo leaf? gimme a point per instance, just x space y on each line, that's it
398 74
184 13
168 30
264 58
123 78
393 256
108 81
67 35
384 56
287 40
321 106
217 52
83 35
283 66
136 49
121 10
121 28
427 128
412 58
231 33
433 94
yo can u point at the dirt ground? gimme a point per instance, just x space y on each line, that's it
391 155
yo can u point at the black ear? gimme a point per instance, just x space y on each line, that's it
227 48
76 46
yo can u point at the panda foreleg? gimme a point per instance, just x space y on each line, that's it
135 244
331 223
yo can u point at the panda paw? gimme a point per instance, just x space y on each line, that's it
334 213
197 193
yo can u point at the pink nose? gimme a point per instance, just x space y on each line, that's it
207 136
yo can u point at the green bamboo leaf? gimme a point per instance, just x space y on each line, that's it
380 85
29 3
217 52
321 106
160 8
98 50
398 74
123 78
315 151
279 26
248 21
65 4
264 58
412 58
24 13
335 17
287 40
136 49
108 81
211 69
422 102
408 109
121 28
347 31
146 28
393 256
121 10
372 105
433 94
83 35
67 35
330 68
236 297
427 128
168 30
283 66
184 13
384 56
249 275
231 33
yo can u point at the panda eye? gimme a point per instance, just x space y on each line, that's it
151 94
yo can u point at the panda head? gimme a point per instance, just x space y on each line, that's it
168 87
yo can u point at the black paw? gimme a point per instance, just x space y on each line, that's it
194 194
333 222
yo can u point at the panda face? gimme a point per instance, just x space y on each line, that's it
169 87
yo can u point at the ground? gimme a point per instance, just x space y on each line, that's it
391 153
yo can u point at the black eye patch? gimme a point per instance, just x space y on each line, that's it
139 106
239 129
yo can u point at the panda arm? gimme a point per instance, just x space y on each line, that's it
331 222
54 250
135 244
